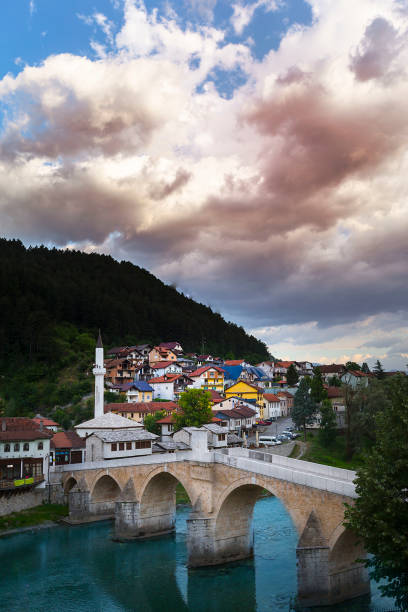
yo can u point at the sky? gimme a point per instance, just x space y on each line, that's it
251 152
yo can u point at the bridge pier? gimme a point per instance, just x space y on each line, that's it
328 576
131 525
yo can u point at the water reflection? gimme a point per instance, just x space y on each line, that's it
81 569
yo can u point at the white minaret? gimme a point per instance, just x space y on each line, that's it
99 373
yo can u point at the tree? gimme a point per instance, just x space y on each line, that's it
351 408
151 424
317 391
334 381
352 365
292 376
304 408
365 368
379 370
195 409
328 424
380 513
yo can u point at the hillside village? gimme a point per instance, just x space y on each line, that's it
146 380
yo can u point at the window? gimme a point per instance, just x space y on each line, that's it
40 445
16 447
221 437
128 446
26 446
143 444
7 448
114 447
121 446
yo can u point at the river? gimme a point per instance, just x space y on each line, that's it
80 569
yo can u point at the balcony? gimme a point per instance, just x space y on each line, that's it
20 483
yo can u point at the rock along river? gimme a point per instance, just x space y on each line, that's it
80 569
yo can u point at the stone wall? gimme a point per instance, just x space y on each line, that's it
20 500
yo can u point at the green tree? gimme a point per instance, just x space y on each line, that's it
292 376
379 370
328 424
380 513
352 365
317 391
151 424
304 408
195 409
334 381
365 368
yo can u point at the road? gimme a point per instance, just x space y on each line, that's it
274 429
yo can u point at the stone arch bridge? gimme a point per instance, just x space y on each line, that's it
223 488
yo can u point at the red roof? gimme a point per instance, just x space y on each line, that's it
215 396
166 378
334 368
238 412
166 420
67 439
333 392
285 394
283 364
45 422
271 397
204 369
157 365
233 362
141 407
21 428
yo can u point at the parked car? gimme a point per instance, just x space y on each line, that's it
262 423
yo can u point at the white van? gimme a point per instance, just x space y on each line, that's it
267 440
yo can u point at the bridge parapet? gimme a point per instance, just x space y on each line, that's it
322 477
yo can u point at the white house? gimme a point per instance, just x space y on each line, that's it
107 422
105 445
24 452
169 386
272 406
217 435
160 368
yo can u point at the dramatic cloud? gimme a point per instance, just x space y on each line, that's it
283 204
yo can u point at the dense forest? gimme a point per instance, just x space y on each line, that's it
52 304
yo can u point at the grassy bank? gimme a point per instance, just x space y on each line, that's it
335 455
33 516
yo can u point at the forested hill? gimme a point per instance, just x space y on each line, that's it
54 301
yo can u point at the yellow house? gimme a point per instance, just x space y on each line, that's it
247 391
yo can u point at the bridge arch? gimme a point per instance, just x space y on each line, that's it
157 502
69 484
106 488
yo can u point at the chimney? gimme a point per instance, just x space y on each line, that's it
3 424
41 426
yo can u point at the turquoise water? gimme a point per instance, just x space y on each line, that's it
81 569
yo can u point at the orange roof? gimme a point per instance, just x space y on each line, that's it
166 420
204 369
141 407
166 378
233 362
67 439
46 422
283 364
157 365
271 397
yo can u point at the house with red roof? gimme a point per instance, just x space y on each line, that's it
272 406
172 346
160 353
24 452
67 447
208 377
137 411
47 423
169 386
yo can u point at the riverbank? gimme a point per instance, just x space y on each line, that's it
335 455
45 515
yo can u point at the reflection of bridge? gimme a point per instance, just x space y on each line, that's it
223 488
